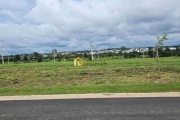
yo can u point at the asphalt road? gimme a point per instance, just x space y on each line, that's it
92 109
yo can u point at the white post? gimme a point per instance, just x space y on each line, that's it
2 59
2 55
91 45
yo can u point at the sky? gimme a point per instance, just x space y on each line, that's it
28 26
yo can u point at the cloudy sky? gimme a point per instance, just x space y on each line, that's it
27 26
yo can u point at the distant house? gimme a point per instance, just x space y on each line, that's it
93 53
172 48
65 53
45 56
140 50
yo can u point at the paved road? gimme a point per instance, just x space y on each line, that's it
92 109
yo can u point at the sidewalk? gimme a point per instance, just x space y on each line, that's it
85 96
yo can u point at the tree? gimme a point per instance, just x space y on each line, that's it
123 48
35 55
59 57
85 55
25 58
151 52
17 58
177 52
39 58
54 53
158 46
167 52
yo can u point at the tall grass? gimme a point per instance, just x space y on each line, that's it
64 77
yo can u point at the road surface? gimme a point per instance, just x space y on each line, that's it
92 109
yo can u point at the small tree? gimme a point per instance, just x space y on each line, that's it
158 46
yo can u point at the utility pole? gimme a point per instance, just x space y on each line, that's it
98 54
2 54
8 59
91 45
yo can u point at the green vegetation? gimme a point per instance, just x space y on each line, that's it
118 75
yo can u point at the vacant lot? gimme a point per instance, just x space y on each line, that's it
118 75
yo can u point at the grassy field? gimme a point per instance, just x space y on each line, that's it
118 75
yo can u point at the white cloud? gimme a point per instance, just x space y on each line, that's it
9 13
16 5
72 23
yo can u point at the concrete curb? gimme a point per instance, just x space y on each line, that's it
86 96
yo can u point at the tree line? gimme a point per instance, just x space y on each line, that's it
37 57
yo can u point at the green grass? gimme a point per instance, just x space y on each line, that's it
119 75
58 89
